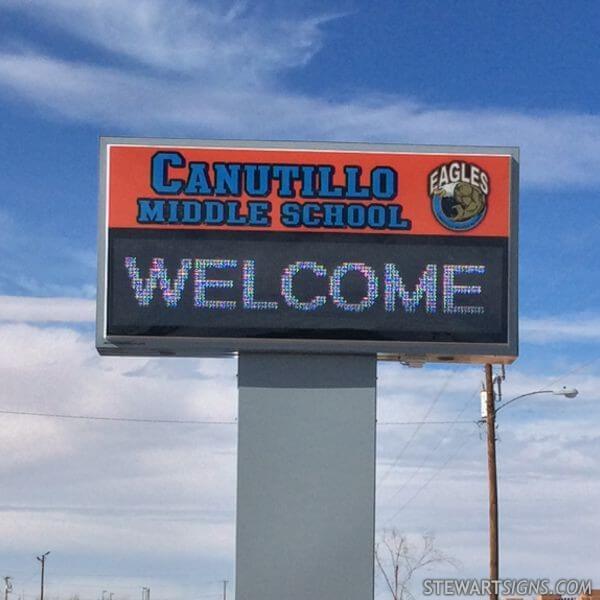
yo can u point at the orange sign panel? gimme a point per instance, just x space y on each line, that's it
302 190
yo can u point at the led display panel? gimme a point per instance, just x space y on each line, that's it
209 248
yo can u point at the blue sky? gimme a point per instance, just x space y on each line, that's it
463 54
495 73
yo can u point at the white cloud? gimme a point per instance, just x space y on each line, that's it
80 486
114 489
161 493
564 328
217 79
46 310
212 40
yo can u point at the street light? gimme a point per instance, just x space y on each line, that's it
42 560
8 587
564 391
489 410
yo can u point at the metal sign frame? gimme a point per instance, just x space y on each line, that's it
412 352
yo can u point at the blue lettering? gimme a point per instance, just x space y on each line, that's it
376 216
290 214
198 182
192 211
333 215
173 211
258 181
215 212
228 179
326 187
355 215
258 213
384 183
286 175
159 180
354 189
233 214
308 214
308 182
396 220
151 211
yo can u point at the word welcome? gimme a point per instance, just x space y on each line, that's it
436 289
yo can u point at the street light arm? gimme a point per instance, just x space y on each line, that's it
523 396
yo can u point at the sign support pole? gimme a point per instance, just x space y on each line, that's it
306 477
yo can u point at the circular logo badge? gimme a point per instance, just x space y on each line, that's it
459 206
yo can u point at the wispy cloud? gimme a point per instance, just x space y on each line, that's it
57 370
208 41
564 328
26 309
210 71
55 309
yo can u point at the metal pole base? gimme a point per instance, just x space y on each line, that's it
306 477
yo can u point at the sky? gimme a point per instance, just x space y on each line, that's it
126 505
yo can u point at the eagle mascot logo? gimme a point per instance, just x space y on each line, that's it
458 193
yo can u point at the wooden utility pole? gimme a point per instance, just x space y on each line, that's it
492 478
224 589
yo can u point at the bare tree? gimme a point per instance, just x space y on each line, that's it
398 560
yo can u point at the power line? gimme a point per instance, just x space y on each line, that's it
464 443
117 419
436 447
573 370
428 481
454 422
419 423
184 421
418 428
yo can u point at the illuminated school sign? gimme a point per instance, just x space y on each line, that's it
208 248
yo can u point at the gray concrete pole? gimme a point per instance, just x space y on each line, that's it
306 477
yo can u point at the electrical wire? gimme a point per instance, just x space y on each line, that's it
576 369
183 421
117 419
454 422
435 448
466 440
417 429
428 481
145 420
